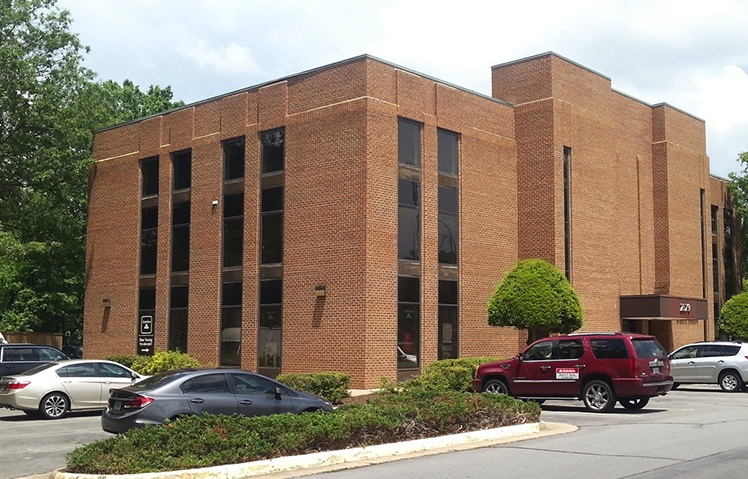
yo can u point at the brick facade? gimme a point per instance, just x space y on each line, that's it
636 175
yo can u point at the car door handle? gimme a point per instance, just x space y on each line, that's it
245 402
197 400
545 368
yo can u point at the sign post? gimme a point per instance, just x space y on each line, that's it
145 336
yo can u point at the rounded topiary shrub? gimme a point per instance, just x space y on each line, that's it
535 295
733 318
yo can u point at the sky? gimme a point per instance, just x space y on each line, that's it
691 54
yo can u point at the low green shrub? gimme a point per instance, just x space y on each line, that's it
195 442
123 359
164 361
447 374
332 386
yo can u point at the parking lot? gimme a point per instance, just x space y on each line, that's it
34 446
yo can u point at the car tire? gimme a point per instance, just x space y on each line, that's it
598 396
496 386
730 381
54 406
634 404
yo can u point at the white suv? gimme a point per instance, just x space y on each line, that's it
711 362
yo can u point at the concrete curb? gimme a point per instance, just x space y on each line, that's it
348 458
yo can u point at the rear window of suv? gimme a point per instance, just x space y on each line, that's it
648 348
609 348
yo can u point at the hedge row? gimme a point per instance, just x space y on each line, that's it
197 442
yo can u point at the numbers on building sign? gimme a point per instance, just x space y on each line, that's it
685 307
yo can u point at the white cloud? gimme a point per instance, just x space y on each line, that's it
230 58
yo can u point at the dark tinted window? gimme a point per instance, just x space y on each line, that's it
272 199
609 348
539 351
648 348
207 384
233 159
149 173
408 289
448 151
273 150
84 370
409 142
569 349
182 164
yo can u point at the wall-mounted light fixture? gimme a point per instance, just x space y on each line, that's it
319 290
107 302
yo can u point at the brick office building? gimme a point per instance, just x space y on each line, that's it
318 221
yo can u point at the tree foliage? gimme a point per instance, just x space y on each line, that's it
535 295
49 106
733 318
738 187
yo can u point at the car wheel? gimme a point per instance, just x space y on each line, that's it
730 381
598 396
634 404
54 406
496 386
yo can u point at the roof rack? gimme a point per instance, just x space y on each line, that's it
607 333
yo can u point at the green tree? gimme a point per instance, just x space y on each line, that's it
535 295
733 319
738 187
49 106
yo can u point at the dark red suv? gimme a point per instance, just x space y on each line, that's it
598 368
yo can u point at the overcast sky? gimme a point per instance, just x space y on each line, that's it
690 54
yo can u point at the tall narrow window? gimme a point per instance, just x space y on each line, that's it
715 267
233 159
178 318
271 235
448 320
233 230
273 150
567 212
180 237
448 236
148 240
715 212
182 167
409 220
149 176
408 321
409 142
271 316
231 324
448 143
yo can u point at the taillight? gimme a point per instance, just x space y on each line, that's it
18 384
137 402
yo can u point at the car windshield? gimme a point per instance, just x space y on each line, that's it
158 380
648 348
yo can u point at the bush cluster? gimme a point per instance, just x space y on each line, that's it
196 442
164 361
332 386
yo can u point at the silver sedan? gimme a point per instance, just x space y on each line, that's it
54 389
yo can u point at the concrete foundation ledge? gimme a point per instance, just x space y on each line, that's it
347 458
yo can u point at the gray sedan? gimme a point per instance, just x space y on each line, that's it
188 392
